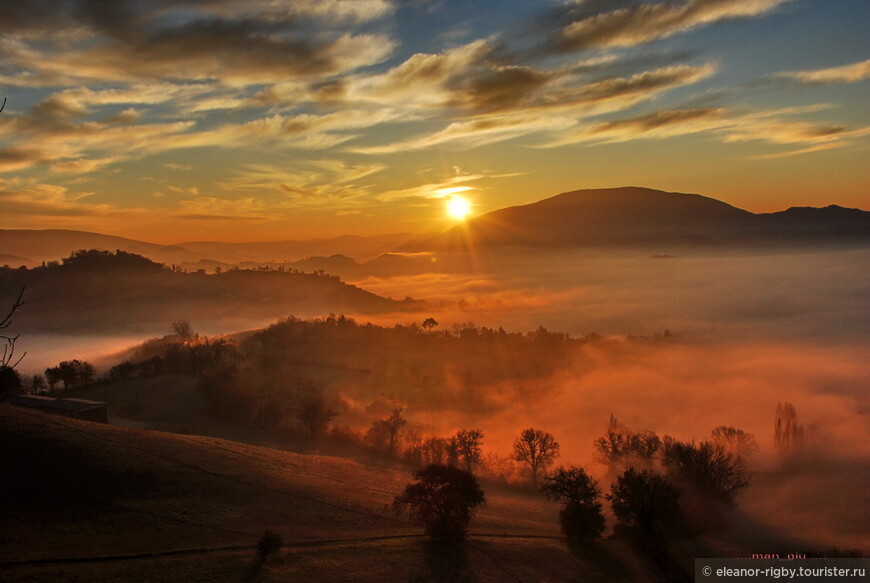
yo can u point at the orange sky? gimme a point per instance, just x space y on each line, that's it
265 120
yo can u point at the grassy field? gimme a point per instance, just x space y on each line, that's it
90 502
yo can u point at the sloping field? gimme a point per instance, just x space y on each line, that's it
91 502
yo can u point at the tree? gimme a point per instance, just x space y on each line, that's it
433 450
384 433
708 468
72 373
624 448
52 377
581 515
536 448
10 381
467 448
644 500
430 323
444 499
788 434
8 361
315 414
736 441
183 329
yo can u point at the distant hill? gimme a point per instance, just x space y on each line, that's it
359 248
52 244
31 247
633 216
120 292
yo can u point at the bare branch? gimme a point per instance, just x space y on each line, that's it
8 360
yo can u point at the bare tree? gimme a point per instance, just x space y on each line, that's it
8 359
536 448
384 433
183 329
467 443
707 468
736 441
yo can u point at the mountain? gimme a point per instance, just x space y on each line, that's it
98 291
633 216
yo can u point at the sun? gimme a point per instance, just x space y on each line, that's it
458 208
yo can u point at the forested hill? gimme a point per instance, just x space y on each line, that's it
103 292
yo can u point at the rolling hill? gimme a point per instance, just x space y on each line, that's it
104 292
88 502
32 247
642 217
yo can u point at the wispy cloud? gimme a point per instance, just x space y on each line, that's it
554 111
624 23
851 73
779 127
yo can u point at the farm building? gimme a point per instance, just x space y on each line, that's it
76 408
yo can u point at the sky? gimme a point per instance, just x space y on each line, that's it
238 120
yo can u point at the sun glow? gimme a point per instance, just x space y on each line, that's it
458 208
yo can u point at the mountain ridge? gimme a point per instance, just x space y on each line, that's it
637 216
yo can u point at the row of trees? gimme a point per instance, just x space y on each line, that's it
73 374
653 475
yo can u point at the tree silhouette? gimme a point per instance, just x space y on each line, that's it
624 448
183 329
788 434
384 433
315 414
646 501
8 361
429 323
466 447
444 499
537 449
581 515
735 441
72 373
708 468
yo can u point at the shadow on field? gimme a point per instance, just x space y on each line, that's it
443 563
597 557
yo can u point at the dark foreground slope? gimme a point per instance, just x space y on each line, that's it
104 292
643 217
89 502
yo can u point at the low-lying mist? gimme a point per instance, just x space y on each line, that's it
808 295
751 331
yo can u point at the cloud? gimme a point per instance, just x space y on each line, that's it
229 41
83 165
779 127
47 135
554 111
598 23
852 73
305 131
311 183
29 197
